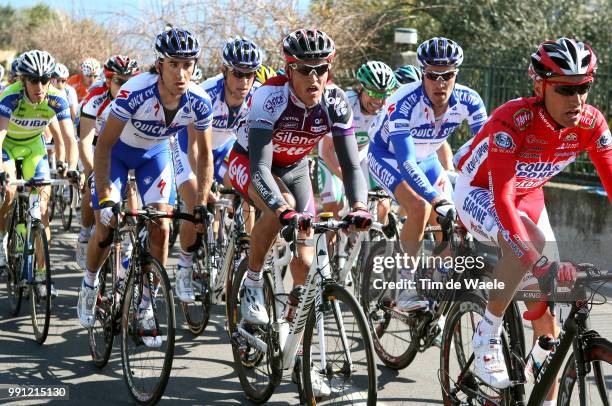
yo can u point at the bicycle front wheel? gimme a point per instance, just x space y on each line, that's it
66 206
597 384
197 313
147 343
40 289
102 334
14 268
338 361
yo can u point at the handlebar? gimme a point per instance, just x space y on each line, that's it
151 213
548 282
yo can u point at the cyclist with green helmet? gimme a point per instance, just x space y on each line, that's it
376 82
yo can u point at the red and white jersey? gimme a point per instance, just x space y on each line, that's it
520 148
95 107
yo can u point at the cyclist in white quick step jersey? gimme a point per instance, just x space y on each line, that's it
148 110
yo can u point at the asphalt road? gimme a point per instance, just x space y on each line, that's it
202 372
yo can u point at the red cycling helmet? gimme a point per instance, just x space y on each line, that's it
563 57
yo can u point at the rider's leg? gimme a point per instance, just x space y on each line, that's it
5 209
184 274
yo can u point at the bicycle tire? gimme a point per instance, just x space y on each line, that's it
129 334
104 327
243 359
52 202
175 224
197 322
37 303
599 353
66 208
381 321
333 295
452 337
14 262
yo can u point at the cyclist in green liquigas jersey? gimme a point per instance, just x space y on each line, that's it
26 108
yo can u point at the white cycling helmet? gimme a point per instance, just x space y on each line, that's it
90 66
36 63
1 72
61 71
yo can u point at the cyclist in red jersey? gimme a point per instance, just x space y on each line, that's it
499 195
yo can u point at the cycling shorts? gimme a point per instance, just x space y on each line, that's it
33 154
182 169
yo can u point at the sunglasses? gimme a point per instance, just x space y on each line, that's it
308 70
44 80
374 94
445 76
118 81
241 75
572 90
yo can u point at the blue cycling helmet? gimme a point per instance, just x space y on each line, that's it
408 74
440 51
241 53
177 43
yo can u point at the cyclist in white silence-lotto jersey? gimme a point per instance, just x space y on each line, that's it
230 92
148 110
403 158
95 109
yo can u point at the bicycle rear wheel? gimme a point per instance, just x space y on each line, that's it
392 330
338 350
102 334
197 313
40 305
14 262
147 369
258 371
65 207
461 322
597 381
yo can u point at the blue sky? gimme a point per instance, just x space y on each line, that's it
96 9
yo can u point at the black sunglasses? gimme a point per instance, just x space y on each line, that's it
44 80
308 70
241 75
445 76
572 90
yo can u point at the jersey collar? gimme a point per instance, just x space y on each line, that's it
452 101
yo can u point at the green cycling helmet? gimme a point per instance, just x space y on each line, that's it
376 75
408 74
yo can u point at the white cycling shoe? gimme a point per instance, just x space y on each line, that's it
86 307
184 288
320 387
252 306
489 362
408 301
146 320
3 253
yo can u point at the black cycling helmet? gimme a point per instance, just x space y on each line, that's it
308 44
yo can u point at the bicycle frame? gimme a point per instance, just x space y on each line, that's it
290 334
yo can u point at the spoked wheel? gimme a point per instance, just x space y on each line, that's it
14 268
392 330
102 334
197 313
597 381
40 289
53 201
66 194
147 346
457 350
338 361
255 368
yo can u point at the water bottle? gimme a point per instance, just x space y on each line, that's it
34 206
538 354
292 302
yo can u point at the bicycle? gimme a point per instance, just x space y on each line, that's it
398 336
591 352
216 260
28 255
146 370
265 352
68 200
346 266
